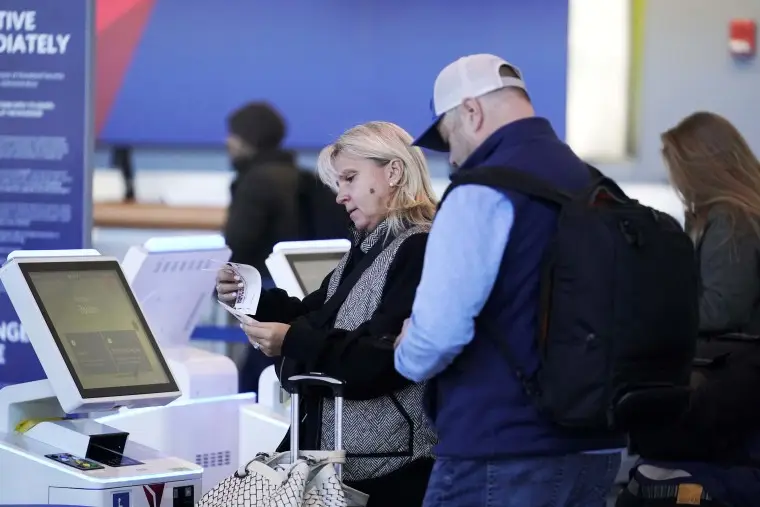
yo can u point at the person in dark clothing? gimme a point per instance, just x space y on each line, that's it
345 329
264 205
718 178
713 443
263 208
480 285
712 447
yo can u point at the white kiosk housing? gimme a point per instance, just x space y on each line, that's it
173 279
298 267
98 353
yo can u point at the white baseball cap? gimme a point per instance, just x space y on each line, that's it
468 77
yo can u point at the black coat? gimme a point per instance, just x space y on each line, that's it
729 265
264 207
721 411
362 358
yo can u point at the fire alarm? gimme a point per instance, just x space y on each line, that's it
743 37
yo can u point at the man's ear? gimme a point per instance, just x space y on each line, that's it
472 112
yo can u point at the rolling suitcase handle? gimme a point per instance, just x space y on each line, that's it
318 380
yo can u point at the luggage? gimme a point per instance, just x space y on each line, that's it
618 299
292 479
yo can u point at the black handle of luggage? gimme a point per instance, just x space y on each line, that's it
296 383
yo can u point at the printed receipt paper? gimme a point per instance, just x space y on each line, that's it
248 295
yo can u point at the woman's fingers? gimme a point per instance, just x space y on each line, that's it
227 291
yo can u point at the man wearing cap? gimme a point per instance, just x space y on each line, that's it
480 284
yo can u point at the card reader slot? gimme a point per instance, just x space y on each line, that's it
109 457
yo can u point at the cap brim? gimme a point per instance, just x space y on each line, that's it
431 139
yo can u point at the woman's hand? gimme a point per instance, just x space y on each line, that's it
227 284
266 336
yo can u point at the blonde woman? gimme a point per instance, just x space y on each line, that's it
383 182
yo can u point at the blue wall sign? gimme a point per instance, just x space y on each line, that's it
45 145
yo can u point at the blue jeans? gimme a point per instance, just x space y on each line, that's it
576 480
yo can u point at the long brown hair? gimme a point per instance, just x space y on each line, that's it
711 165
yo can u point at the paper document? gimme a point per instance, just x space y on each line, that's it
241 316
248 295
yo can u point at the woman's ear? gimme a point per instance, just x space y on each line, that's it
395 170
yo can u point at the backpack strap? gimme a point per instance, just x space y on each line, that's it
515 180
510 179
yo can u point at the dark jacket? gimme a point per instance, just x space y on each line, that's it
480 407
360 352
729 259
264 207
717 436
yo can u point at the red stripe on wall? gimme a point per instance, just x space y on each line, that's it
120 24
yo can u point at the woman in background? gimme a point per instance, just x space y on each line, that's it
710 456
718 178
384 185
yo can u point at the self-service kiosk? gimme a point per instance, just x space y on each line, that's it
98 353
173 279
298 267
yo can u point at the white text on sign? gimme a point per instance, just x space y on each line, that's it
18 35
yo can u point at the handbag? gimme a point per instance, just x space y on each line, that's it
292 478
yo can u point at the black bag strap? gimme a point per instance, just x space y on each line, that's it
322 316
508 178
511 179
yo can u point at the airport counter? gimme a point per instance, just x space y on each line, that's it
118 225
158 217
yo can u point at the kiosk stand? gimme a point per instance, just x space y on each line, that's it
99 354
173 278
298 267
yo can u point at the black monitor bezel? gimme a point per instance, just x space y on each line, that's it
29 268
319 256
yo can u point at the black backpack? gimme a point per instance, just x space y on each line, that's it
618 299
319 216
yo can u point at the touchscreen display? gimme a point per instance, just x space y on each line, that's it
99 328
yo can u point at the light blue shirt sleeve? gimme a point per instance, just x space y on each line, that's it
462 259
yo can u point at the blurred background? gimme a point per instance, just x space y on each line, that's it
611 75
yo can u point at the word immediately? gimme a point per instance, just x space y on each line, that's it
18 35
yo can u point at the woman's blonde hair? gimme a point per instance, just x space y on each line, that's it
413 201
711 165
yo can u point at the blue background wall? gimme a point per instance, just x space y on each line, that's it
326 64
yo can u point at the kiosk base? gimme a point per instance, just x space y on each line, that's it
203 431
46 458
30 477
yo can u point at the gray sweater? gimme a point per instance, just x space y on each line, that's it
729 262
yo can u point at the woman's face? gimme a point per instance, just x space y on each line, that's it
364 188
